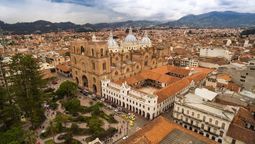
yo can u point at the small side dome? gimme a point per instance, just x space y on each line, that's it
130 38
111 42
145 40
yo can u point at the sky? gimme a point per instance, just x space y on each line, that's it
96 11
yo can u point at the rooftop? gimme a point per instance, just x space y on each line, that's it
197 102
173 83
162 131
237 128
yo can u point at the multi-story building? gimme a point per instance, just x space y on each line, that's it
92 61
242 74
152 92
163 131
222 81
215 52
189 62
209 119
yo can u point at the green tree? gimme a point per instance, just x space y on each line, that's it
72 105
67 88
9 112
62 118
30 137
27 87
74 128
94 125
14 135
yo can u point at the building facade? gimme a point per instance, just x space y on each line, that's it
215 52
151 92
206 118
91 61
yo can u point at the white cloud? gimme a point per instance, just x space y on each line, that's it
174 9
32 10
114 10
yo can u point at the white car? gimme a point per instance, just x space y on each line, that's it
125 137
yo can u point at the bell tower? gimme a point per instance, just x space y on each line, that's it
99 68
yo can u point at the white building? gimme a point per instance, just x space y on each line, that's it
189 62
151 92
215 52
135 101
206 118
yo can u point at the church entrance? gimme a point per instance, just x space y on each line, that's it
94 89
77 80
85 81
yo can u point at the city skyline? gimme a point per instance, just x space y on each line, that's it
96 11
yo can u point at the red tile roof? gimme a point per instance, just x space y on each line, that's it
158 129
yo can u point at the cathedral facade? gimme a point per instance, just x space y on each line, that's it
93 61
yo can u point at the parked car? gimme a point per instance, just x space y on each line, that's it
125 137
54 82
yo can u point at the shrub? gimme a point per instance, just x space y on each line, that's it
73 106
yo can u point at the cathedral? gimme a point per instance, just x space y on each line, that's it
95 60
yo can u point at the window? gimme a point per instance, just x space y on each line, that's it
216 122
93 65
82 50
93 53
210 119
233 141
187 111
203 118
221 133
104 66
102 52
223 126
198 115
192 113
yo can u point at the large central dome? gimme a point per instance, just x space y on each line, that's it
130 37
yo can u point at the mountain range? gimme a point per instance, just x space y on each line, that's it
227 19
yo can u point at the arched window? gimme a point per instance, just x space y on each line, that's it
104 66
93 65
216 122
101 52
93 53
116 73
223 126
82 50
137 67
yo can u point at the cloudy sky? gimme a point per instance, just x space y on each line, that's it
94 11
